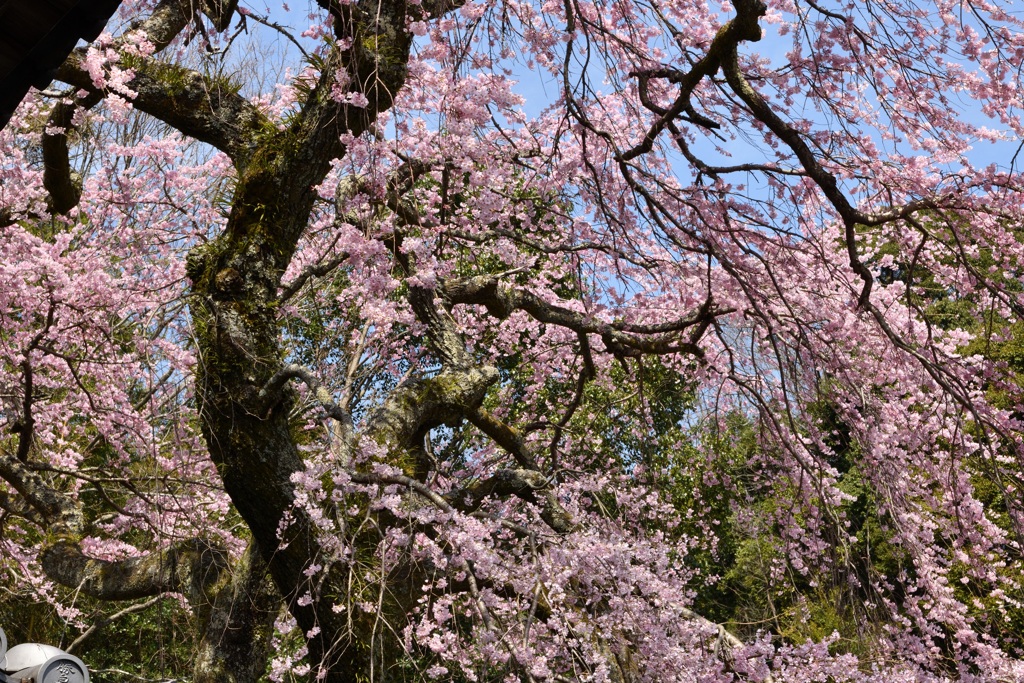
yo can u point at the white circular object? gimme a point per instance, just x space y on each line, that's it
28 656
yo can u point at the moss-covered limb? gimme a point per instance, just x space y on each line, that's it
450 397
506 436
188 567
250 438
372 69
442 333
202 108
238 622
460 386
164 24
435 9
233 306
275 192
417 406
16 506
167 20
256 458
380 50
376 59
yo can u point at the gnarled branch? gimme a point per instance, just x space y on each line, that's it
625 339
189 567
418 405
525 484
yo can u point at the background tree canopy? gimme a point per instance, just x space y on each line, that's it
498 340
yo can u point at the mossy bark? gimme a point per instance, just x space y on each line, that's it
237 624
235 281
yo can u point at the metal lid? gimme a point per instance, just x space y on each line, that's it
63 668
29 656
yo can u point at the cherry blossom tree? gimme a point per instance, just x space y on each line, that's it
432 359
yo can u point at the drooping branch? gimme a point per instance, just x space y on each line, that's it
24 426
743 27
726 642
625 339
526 484
270 394
188 567
315 270
827 182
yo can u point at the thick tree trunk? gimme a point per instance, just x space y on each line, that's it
239 622
235 281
